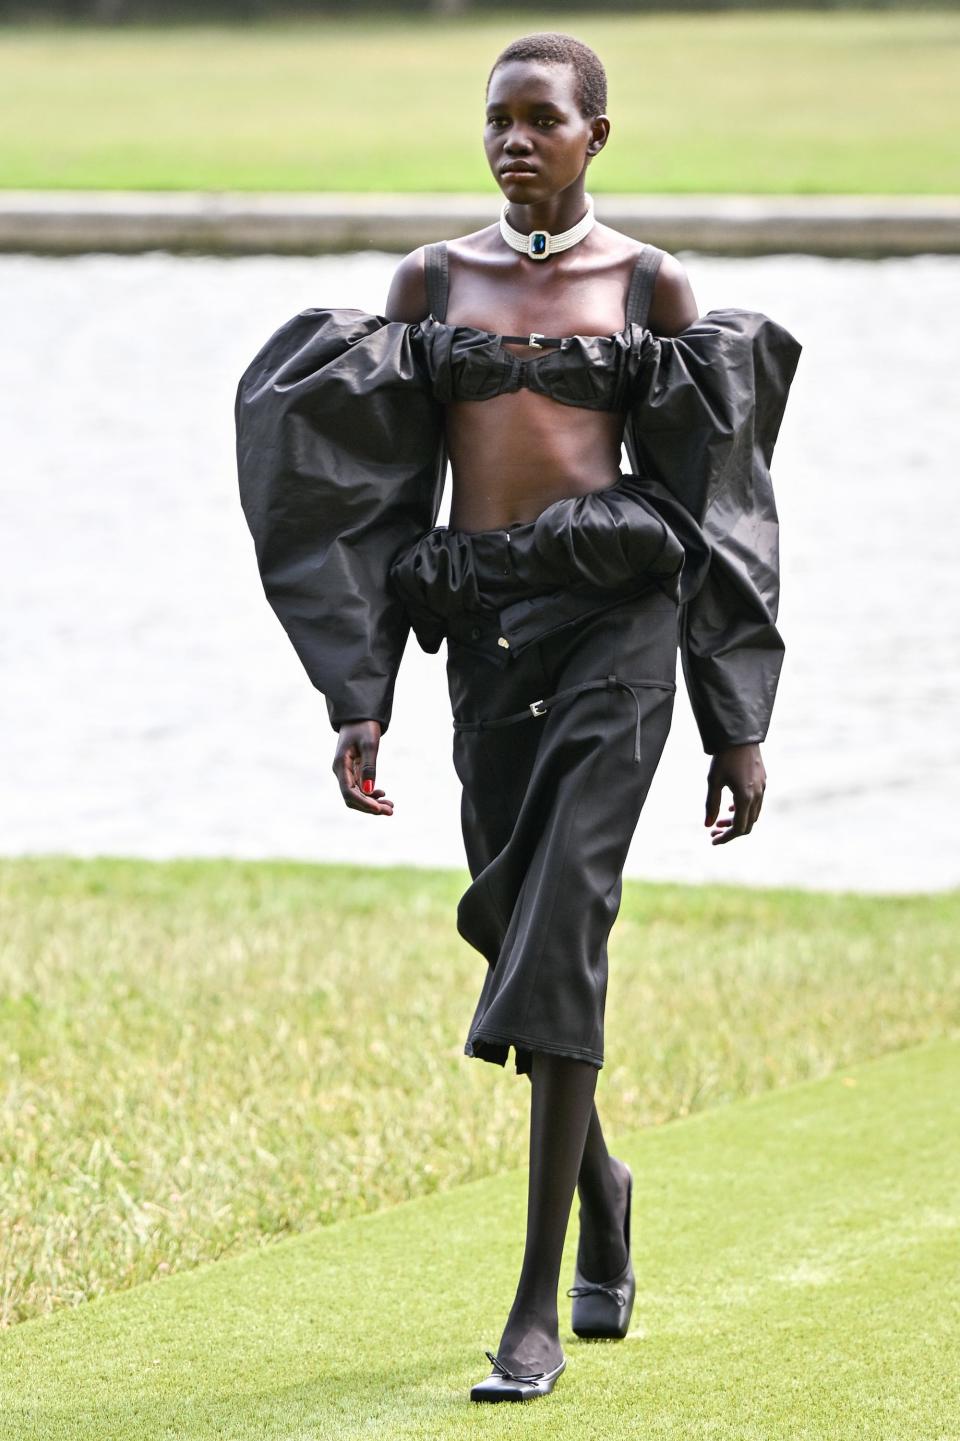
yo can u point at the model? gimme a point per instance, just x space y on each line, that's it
526 354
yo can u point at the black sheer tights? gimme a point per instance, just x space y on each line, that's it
567 1153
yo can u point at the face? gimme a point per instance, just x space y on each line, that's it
532 121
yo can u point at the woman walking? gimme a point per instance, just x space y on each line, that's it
526 354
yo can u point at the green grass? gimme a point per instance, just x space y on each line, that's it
797 1280
858 101
198 1058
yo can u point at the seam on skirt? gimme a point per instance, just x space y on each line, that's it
572 809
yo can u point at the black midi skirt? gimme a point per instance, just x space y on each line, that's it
555 744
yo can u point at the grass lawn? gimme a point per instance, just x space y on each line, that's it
201 1058
796 1259
792 102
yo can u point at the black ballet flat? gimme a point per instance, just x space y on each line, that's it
505 1385
603 1309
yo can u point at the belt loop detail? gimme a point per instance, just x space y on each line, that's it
614 680
636 743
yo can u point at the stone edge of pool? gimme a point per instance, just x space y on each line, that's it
69 222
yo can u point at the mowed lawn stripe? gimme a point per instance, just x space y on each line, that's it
796 1261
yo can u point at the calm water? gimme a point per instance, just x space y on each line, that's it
152 704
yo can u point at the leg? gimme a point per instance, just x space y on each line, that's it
561 1099
602 1188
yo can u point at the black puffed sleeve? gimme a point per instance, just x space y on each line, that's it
704 420
341 462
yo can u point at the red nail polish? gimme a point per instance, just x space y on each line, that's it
367 787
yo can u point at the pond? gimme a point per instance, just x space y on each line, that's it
153 706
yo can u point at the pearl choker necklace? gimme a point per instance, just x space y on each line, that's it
539 244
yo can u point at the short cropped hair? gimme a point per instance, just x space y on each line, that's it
555 48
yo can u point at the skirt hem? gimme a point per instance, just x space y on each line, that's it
494 1047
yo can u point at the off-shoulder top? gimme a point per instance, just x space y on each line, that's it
595 372
341 461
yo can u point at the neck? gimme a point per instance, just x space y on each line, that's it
555 215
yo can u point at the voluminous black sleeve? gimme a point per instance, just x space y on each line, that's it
341 462
704 421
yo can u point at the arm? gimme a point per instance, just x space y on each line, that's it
358 742
739 767
407 296
672 305
339 455
704 423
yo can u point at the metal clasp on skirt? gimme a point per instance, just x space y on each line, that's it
540 707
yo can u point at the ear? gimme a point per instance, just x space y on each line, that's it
599 130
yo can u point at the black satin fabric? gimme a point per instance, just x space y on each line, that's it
595 372
582 555
341 460
704 422
555 752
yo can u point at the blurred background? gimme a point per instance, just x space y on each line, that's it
152 703
201 1056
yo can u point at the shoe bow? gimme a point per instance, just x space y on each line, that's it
585 1287
512 1375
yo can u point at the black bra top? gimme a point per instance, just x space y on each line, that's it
591 371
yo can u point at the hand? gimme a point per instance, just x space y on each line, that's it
355 767
741 769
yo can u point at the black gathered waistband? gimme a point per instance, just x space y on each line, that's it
497 590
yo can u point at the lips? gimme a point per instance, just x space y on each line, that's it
518 170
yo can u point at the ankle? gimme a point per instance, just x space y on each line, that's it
602 1196
533 1312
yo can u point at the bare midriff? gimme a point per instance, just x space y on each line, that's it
513 455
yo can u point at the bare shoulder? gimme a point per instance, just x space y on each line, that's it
474 252
672 305
407 296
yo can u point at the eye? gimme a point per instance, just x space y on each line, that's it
547 119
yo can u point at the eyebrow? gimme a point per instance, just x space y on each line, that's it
536 105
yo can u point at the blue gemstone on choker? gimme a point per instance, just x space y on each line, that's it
538 242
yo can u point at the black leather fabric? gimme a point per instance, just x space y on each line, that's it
341 459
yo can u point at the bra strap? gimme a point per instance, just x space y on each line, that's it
642 282
438 278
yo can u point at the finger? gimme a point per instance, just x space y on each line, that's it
368 764
714 796
346 767
739 825
373 805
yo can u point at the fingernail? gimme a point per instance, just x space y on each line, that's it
367 787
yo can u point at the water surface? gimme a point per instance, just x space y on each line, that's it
152 704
